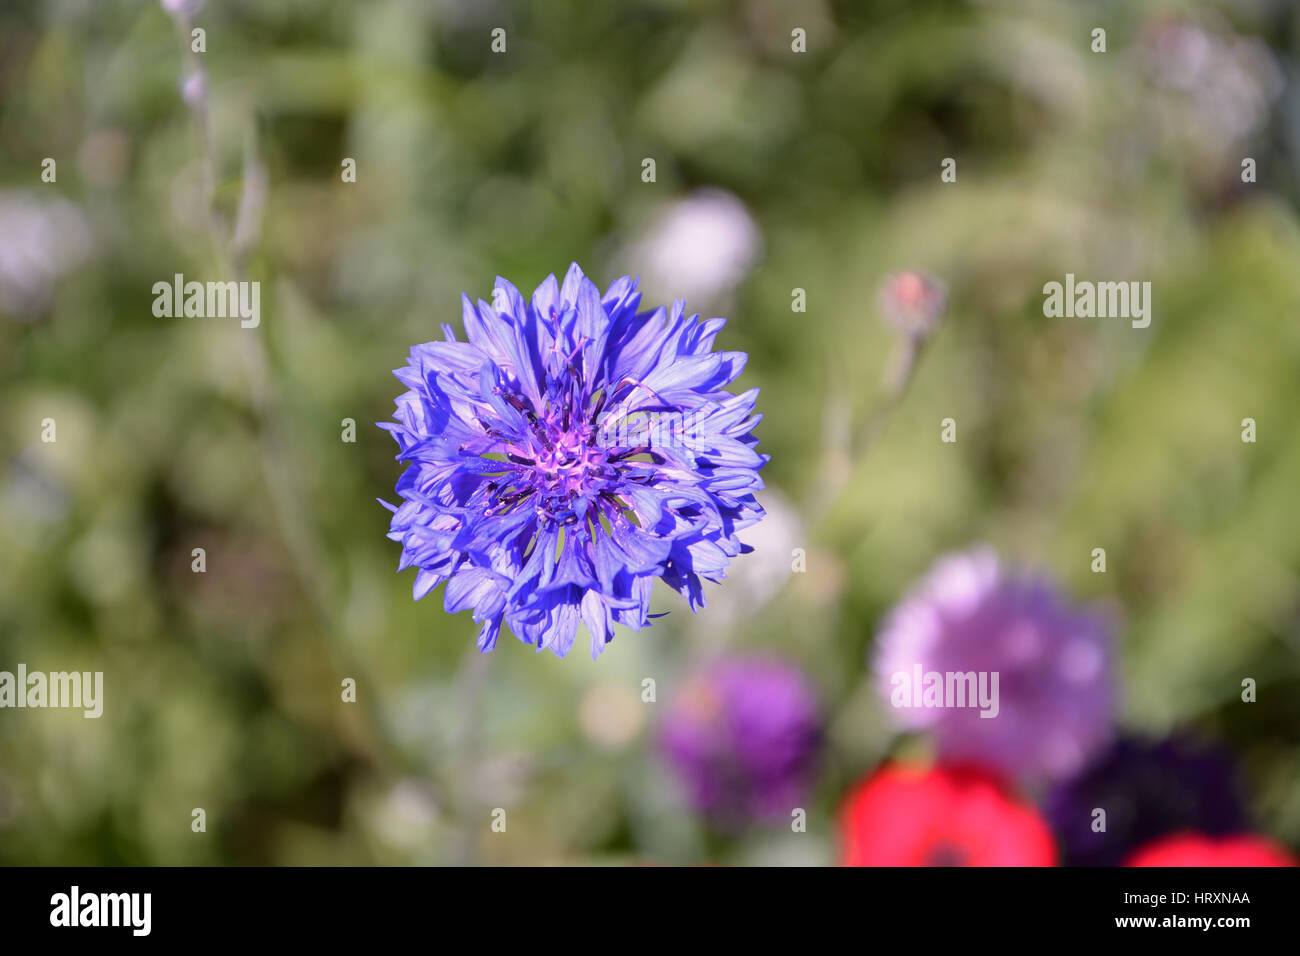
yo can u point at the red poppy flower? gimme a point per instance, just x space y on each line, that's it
1195 849
946 816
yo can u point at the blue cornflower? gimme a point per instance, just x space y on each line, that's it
572 451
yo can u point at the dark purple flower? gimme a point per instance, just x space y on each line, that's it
1148 790
971 630
566 456
743 735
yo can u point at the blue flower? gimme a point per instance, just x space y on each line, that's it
572 451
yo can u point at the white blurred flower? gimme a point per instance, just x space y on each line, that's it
700 247
194 88
1220 86
41 240
754 579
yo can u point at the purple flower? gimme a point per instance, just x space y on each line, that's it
1147 790
999 668
182 8
566 456
743 736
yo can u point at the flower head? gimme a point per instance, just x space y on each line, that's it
41 240
913 302
1208 78
1148 790
1051 705
946 816
1196 849
702 245
743 736
194 88
569 453
182 8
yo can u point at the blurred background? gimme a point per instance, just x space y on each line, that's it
775 171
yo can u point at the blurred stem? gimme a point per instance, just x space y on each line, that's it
230 248
198 105
471 681
845 449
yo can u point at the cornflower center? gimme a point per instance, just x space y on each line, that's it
559 461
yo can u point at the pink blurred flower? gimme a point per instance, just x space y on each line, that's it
1046 663
913 302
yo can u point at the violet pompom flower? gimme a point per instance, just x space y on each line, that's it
182 8
567 455
743 735
999 668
